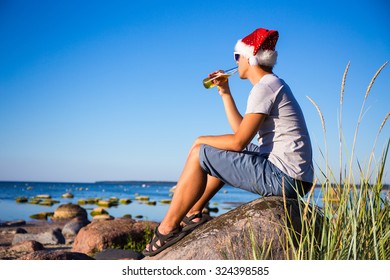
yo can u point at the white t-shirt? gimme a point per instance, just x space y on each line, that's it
283 136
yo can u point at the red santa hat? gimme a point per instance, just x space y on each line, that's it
259 47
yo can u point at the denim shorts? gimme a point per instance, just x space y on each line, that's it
250 171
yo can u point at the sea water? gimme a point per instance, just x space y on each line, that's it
226 199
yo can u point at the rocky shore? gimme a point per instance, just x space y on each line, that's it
70 235
236 234
8 230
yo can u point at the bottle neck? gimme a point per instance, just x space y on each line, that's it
231 71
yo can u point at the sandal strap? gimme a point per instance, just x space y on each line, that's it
163 238
189 220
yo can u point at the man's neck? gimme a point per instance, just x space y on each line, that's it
256 74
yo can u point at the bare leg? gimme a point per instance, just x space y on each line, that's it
193 190
189 189
212 187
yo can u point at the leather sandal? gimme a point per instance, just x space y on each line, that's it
189 224
165 240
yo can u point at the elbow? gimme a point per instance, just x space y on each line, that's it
238 146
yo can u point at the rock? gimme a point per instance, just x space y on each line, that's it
43 196
239 234
55 255
48 202
165 201
92 200
21 199
50 237
118 254
16 223
104 203
114 200
41 215
102 217
34 201
69 211
73 227
98 211
125 201
142 198
152 203
19 230
67 195
81 202
27 246
101 235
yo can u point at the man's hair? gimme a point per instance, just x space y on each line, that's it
266 68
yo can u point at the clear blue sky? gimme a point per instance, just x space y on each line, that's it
111 90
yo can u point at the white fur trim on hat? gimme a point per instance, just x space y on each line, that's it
264 57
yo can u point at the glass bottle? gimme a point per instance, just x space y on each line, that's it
223 76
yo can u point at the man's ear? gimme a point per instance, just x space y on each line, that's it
253 61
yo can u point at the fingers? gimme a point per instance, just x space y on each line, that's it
216 73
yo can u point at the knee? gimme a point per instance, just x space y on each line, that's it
195 149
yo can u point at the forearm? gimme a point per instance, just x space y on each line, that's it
233 115
247 129
228 142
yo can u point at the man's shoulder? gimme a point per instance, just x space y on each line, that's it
269 83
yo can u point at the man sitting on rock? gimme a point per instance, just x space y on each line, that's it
280 165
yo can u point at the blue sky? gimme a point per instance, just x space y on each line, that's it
111 90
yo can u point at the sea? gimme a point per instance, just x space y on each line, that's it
226 199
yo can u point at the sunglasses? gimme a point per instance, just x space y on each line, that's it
236 56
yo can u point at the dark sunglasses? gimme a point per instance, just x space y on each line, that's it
236 56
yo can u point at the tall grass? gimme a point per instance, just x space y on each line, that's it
354 220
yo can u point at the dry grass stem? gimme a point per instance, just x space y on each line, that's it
319 112
374 146
373 79
361 116
343 83
341 121
383 122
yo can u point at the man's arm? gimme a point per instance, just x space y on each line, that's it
247 129
244 128
233 115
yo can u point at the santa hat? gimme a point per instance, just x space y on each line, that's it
259 47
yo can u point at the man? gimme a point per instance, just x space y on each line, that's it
280 164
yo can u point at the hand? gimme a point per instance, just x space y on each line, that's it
222 83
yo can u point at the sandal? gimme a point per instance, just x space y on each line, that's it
166 240
190 225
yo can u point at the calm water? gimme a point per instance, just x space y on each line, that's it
226 199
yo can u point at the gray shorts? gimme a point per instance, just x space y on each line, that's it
250 171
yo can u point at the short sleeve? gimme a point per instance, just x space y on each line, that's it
261 100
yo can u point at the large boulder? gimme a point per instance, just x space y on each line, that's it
27 246
240 233
104 234
55 255
72 227
69 211
118 254
52 237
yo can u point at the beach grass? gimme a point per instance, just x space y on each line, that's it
353 222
